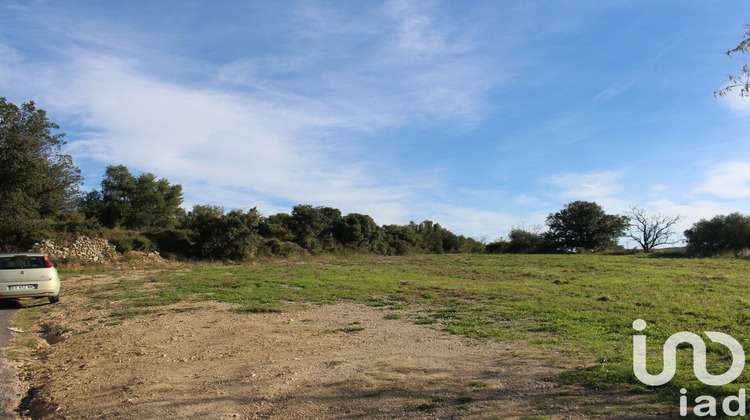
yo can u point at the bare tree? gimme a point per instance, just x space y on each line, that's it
651 231
483 239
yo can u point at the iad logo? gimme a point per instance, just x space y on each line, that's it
707 404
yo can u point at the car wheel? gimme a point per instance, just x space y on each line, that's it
54 299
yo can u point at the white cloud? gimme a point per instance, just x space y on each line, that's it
420 32
259 130
737 103
221 146
727 180
690 212
587 186
470 222
527 200
9 55
401 63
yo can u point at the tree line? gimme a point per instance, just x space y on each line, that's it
40 196
584 227
210 232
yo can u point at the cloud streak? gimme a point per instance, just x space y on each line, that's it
587 186
265 128
727 180
212 137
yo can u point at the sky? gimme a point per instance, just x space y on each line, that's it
478 115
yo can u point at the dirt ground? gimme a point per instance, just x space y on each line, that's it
201 360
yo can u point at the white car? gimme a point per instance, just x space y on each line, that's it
28 275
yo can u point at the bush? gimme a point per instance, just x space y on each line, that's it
285 249
74 224
230 236
358 232
172 242
122 244
126 241
498 247
720 235
276 226
525 242
399 247
312 227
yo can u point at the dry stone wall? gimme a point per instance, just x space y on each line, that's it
83 248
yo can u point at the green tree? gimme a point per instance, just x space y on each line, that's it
156 203
401 239
430 237
37 180
584 225
360 232
134 202
721 234
223 236
743 81
276 226
468 245
118 189
313 227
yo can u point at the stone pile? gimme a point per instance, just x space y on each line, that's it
83 249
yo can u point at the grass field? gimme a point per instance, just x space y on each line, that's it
582 304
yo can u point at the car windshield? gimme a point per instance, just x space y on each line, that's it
22 261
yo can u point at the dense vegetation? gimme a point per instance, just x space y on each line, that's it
40 196
728 234
37 181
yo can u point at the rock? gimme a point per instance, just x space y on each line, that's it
83 249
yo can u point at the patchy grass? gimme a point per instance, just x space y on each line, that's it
131 312
351 330
25 343
27 319
583 305
479 385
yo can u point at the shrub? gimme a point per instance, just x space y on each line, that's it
498 247
230 236
721 234
276 248
126 241
525 242
172 241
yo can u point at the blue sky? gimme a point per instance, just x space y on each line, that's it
479 115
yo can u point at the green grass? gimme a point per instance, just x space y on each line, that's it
582 304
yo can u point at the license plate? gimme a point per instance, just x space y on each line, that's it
24 287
